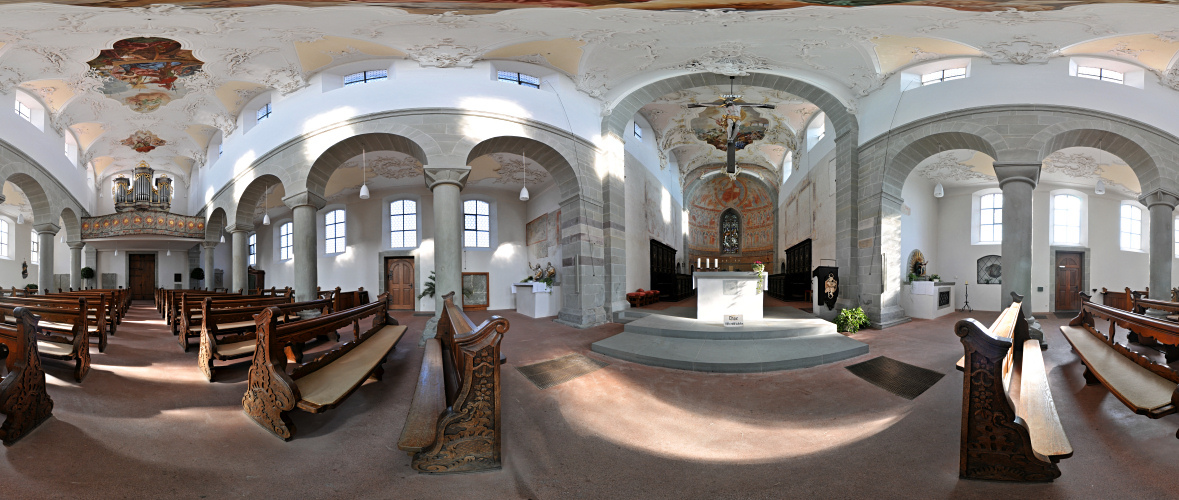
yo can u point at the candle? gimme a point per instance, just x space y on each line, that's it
697 262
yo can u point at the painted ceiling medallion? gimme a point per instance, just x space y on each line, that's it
711 127
143 141
145 73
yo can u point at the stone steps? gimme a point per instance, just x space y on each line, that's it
730 356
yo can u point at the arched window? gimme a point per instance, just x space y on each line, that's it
1066 219
990 218
476 224
1131 228
403 224
35 253
333 229
285 241
253 245
730 231
4 239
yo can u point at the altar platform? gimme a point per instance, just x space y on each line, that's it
785 339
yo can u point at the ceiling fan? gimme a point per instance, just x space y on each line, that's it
732 105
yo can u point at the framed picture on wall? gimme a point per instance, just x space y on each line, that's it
477 285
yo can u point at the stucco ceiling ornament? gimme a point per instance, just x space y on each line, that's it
444 53
55 62
867 81
1170 77
1169 36
303 34
1080 166
397 166
286 80
1123 49
85 82
511 170
1020 49
594 84
1013 17
226 122
729 59
948 166
235 57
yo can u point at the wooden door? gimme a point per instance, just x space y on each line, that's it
142 274
399 282
1068 281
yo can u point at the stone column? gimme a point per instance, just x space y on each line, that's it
209 247
1018 180
45 234
240 256
76 264
1161 204
304 207
446 183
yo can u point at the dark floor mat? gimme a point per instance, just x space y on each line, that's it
560 370
902 379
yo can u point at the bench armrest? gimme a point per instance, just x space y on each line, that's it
1037 409
429 402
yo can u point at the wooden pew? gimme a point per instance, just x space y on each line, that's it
454 420
99 322
1146 387
172 314
237 330
321 383
347 300
24 401
118 301
1122 300
1010 428
189 324
61 333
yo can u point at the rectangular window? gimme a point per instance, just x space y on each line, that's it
285 242
35 253
366 76
333 228
403 224
1131 233
518 78
638 131
1105 75
24 111
253 244
220 149
264 112
4 239
476 224
944 75
990 216
1066 219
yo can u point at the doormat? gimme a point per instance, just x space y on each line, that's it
902 379
549 373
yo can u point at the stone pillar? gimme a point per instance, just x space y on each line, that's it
1018 180
446 183
1161 204
45 234
209 247
76 264
304 207
240 256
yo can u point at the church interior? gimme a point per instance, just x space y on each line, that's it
648 249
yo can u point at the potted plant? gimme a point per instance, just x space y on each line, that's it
31 289
197 274
849 321
759 268
87 274
428 288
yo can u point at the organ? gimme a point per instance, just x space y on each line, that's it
138 193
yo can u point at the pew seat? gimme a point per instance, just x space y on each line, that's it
328 386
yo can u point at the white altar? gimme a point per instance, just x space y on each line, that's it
721 293
537 300
927 299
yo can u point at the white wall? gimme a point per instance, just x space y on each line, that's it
919 228
806 207
646 199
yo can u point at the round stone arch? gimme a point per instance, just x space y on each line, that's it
1140 160
251 195
43 212
898 166
331 158
215 224
555 162
73 226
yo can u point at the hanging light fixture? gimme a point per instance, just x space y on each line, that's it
938 190
116 251
524 168
20 218
266 209
363 178
223 238
63 238
1100 187
169 252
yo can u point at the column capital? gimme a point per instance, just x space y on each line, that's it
447 175
47 227
240 228
208 245
75 245
1018 172
1159 196
306 198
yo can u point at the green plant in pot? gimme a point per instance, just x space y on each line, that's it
87 274
851 320
197 274
428 288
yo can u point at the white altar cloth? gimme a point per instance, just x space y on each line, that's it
721 293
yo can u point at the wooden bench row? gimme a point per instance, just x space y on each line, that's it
24 401
227 334
61 333
1010 428
187 322
1146 387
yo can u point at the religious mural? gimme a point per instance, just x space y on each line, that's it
542 236
710 127
145 73
750 200
143 141
493 6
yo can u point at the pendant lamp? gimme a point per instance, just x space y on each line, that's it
116 251
20 218
223 238
524 168
938 191
363 178
1100 187
169 252
266 210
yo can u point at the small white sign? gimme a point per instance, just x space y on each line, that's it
734 320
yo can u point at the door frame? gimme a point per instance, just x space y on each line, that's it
1052 252
382 284
155 279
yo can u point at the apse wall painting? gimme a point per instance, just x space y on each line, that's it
145 73
752 201
143 141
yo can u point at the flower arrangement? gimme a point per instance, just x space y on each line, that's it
759 268
851 320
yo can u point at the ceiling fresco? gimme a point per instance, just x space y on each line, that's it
143 141
145 73
470 7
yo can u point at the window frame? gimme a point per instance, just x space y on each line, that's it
501 73
1140 211
365 78
416 217
942 78
1082 216
997 226
259 116
637 131
6 231
252 249
34 248
976 216
27 115
285 242
338 242
491 243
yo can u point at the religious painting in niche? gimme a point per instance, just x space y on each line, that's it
730 232
143 141
710 127
145 73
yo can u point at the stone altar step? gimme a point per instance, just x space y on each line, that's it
730 356
783 326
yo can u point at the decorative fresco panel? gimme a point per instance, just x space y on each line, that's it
145 73
709 127
143 223
754 204
143 141
542 236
